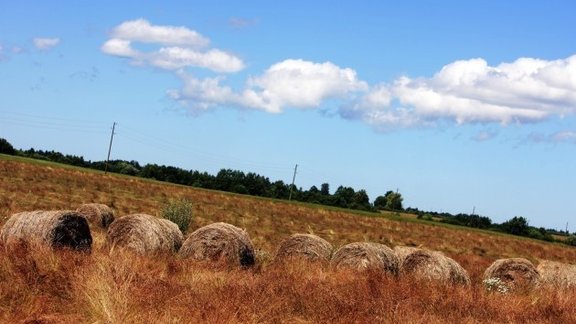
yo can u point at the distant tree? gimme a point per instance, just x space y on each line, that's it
393 200
343 197
361 200
6 147
325 189
380 202
516 226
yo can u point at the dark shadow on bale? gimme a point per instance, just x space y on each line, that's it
432 265
58 228
516 273
220 242
557 275
364 256
97 214
144 234
305 246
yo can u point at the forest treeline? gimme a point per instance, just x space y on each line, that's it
257 185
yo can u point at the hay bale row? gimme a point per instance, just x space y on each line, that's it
219 242
556 274
305 246
57 229
97 214
432 265
515 273
366 255
144 234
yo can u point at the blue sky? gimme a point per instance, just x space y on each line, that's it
459 105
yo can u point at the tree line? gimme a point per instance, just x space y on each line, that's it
257 185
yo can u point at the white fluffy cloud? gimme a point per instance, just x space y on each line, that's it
140 30
471 91
46 43
178 47
287 84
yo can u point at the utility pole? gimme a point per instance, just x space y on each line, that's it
293 179
473 210
109 148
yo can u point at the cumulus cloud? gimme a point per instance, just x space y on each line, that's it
527 90
140 30
471 91
46 43
288 84
177 48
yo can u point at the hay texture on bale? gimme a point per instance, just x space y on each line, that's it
305 246
515 273
556 274
433 265
144 234
57 229
220 242
97 214
402 252
366 255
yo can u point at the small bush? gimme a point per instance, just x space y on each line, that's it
571 240
179 212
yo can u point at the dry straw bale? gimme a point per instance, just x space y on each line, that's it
97 214
365 255
514 272
557 274
144 234
433 265
305 246
403 251
219 242
57 228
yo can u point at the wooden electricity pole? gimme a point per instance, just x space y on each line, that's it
109 148
293 179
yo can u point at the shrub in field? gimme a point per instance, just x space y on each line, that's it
178 212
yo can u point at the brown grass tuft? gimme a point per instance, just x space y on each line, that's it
97 214
305 246
556 274
144 234
516 273
57 228
432 265
220 242
366 255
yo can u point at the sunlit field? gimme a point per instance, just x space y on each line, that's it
46 286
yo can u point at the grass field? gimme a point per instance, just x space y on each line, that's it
38 284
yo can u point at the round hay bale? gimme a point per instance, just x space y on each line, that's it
144 234
432 265
307 246
57 228
557 274
403 251
514 272
219 242
97 214
366 255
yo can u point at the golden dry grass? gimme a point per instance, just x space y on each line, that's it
66 287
